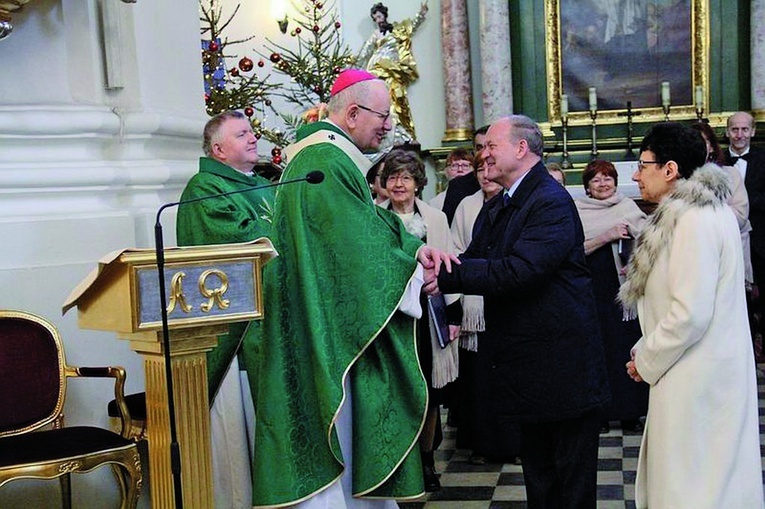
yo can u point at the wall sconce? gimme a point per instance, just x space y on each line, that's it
6 8
279 12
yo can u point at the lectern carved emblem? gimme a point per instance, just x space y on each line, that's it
177 297
214 295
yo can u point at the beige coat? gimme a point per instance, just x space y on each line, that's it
739 202
700 446
445 361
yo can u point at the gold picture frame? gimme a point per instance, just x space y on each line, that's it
698 59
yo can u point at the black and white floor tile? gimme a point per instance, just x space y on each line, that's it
500 486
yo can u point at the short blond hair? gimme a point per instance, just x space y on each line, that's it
212 129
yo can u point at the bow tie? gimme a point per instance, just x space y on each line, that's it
734 159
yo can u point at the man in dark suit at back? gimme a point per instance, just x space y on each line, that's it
548 370
750 162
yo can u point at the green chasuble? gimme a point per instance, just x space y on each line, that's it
330 300
240 217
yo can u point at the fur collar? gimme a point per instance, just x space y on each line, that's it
709 186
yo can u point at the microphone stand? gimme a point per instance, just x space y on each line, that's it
314 177
175 450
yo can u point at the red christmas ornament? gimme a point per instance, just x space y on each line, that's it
249 111
317 90
319 6
276 159
245 64
316 28
268 102
336 70
337 24
234 71
298 30
257 136
276 151
261 63
275 57
213 46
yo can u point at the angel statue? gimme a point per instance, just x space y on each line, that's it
388 54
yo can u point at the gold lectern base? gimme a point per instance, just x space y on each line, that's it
188 349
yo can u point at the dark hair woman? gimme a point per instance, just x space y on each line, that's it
404 176
610 221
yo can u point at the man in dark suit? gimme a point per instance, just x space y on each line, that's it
750 162
547 369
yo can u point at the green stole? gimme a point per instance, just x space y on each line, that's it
241 217
331 300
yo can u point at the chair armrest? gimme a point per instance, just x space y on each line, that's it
119 375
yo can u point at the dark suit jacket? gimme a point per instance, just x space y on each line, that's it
755 189
542 334
459 188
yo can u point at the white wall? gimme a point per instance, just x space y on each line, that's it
426 96
82 172
83 169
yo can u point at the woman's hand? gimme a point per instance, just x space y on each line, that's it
633 372
620 231
454 332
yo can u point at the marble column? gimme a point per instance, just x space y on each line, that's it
758 54
496 72
456 53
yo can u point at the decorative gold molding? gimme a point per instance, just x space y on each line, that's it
699 69
457 135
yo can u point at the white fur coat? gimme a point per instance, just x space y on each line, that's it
700 445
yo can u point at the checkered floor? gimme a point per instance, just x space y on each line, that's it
497 486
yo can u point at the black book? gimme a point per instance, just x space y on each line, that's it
438 322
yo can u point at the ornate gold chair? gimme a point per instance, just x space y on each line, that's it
136 404
33 376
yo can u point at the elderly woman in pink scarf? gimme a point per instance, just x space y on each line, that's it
611 221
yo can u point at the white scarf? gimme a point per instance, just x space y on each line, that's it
424 222
599 216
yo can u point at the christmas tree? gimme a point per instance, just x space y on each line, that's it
235 89
312 66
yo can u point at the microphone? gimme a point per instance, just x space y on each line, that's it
314 177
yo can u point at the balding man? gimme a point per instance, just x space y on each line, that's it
750 162
338 332
542 340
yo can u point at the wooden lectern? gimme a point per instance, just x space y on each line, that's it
208 287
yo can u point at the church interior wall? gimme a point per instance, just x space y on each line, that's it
84 168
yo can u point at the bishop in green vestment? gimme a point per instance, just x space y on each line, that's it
332 321
243 217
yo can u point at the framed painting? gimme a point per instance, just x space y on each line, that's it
625 50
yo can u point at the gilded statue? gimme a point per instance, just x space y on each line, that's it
388 54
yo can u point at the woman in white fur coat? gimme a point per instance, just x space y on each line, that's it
700 446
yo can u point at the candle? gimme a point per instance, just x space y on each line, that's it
699 98
593 99
564 105
665 93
